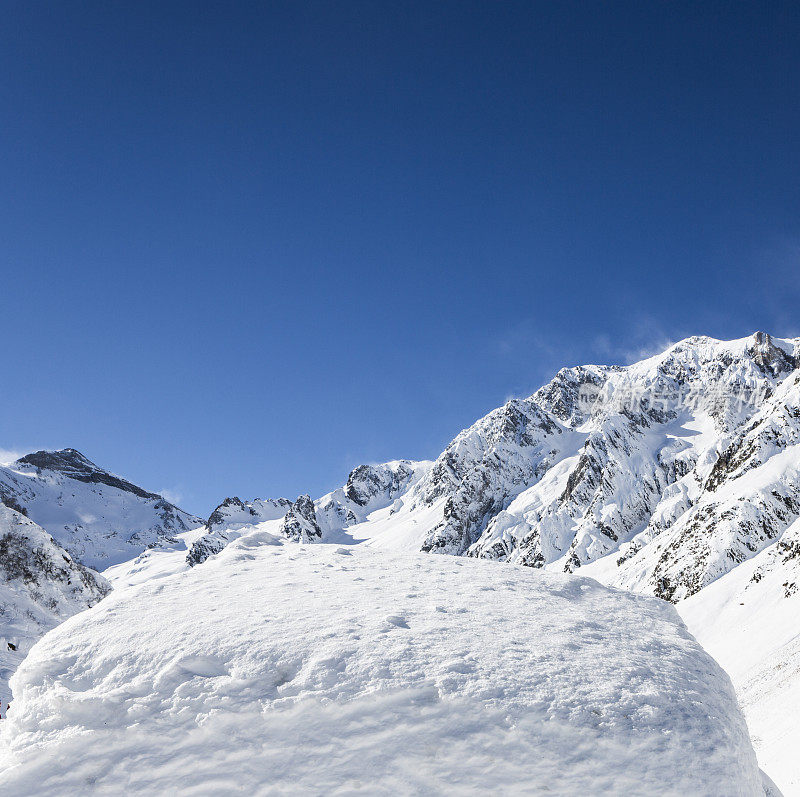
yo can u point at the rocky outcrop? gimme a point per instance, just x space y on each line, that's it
770 358
229 520
501 454
300 522
40 586
366 482
74 465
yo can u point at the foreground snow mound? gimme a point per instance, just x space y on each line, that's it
40 585
281 668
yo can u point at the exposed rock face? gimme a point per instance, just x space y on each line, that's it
76 466
300 522
770 358
368 481
206 546
99 518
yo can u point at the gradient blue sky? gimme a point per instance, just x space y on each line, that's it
247 246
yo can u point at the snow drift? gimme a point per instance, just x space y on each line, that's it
284 668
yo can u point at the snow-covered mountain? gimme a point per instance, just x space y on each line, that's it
99 518
677 477
40 586
669 472
277 668
369 488
662 477
60 516
640 462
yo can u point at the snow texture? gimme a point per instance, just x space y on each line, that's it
277 668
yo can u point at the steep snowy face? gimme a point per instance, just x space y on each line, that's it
40 585
747 500
498 456
394 674
601 436
99 518
641 445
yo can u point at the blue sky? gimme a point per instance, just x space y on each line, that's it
247 246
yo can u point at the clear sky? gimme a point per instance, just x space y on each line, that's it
245 247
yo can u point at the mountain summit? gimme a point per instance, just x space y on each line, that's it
74 465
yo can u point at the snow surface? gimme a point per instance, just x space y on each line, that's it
748 620
277 668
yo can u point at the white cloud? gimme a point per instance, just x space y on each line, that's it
8 455
172 495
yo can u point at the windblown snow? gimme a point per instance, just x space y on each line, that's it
285 668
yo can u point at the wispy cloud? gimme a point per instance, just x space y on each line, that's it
641 337
8 455
172 495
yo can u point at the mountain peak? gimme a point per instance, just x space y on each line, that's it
769 357
74 465
57 460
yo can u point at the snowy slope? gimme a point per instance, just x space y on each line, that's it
40 585
748 620
277 668
99 518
